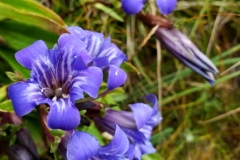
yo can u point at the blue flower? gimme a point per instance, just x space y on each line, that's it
166 6
132 6
58 78
137 125
135 6
181 47
83 146
102 54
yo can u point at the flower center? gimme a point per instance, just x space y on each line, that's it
57 90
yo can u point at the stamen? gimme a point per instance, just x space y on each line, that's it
65 95
68 81
47 92
54 82
54 99
58 92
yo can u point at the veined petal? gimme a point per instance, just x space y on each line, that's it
27 56
132 6
166 6
122 118
156 116
25 96
63 115
142 113
118 145
117 61
94 44
134 136
101 62
71 47
153 99
43 71
116 77
180 46
89 80
147 148
82 146
78 32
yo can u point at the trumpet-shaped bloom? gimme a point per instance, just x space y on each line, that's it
83 146
135 6
58 78
103 54
181 47
137 125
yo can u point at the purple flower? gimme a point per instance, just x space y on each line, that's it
166 6
82 145
103 54
58 78
137 125
135 6
132 6
181 47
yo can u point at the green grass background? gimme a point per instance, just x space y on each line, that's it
200 122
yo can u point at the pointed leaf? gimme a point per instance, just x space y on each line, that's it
9 12
6 106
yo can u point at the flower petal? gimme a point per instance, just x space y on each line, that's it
118 145
142 113
63 115
121 118
94 43
153 99
28 55
134 136
24 96
132 6
116 77
82 145
156 116
89 80
70 44
166 6
76 93
147 148
78 32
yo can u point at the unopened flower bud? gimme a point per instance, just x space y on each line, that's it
181 47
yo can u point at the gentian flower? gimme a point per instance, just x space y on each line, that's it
103 54
58 78
181 47
135 6
166 6
132 6
83 146
137 125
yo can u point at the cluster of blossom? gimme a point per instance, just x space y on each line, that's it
62 75
135 6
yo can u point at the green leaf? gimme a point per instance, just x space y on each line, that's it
33 7
54 145
8 55
17 36
6 106
152 156
109 11
128 67
92 129
57 132
9 12
3 92
15 77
